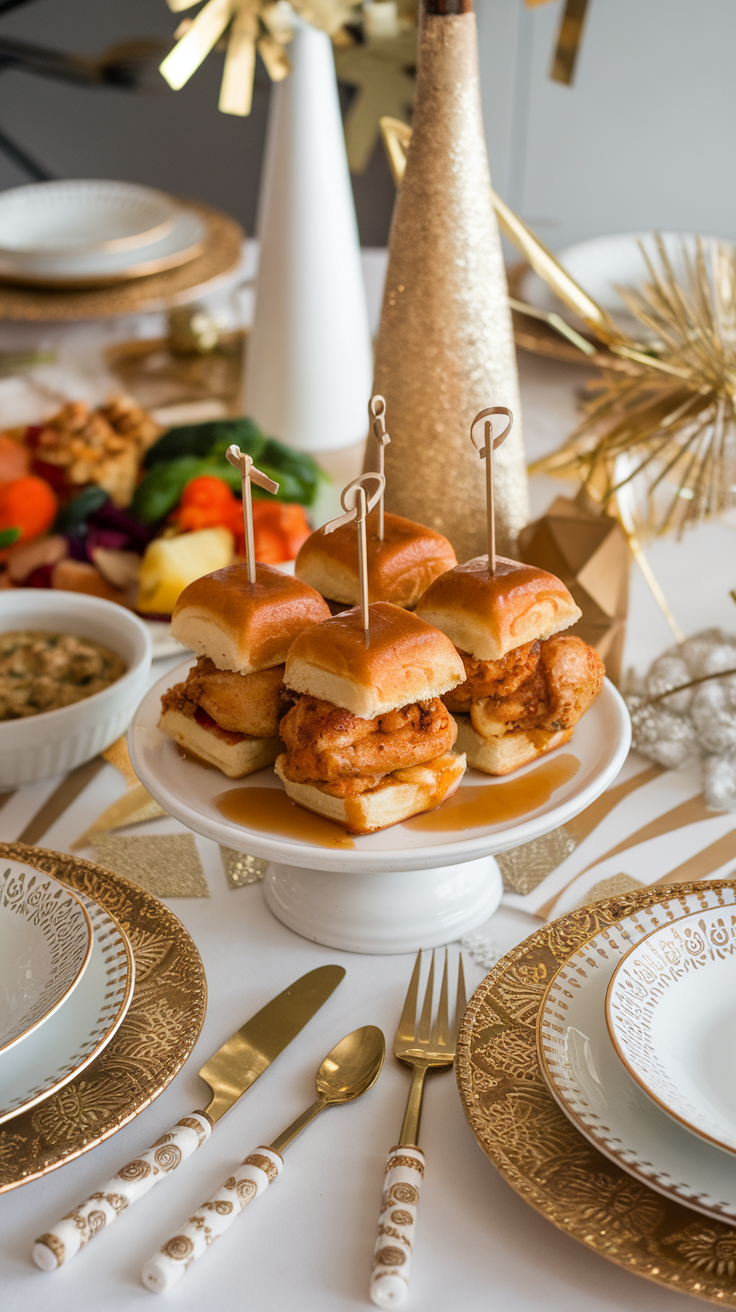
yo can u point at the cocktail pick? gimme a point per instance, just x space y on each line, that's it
486 453
377 412
240 460
358 511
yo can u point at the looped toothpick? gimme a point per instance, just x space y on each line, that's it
358 510
377 412
486 449
248 473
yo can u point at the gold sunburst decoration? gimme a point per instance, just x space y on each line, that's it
247 26
669 420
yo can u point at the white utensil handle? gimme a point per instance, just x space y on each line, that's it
214 1217
392 1254
70 1234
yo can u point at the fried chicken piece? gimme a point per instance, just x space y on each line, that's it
566 682
493 678
574 674
328 745
241 703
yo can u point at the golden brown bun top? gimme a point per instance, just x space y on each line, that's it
400 568
245 626
488 615
403 661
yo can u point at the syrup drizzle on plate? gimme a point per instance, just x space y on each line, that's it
477 805
270 811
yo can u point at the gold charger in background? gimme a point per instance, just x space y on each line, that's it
222 249
542 1155
157 1035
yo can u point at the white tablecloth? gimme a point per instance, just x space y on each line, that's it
307 1244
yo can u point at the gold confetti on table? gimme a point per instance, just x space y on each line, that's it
167 865
241 869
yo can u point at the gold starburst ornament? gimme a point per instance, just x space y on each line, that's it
664 429
247 26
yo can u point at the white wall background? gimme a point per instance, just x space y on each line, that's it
643 138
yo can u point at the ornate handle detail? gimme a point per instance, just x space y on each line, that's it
70 1234
214 1217
392 1254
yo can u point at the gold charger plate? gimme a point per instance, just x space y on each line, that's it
222 250
542 1155
157 1035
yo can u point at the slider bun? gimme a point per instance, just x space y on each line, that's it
235 759
509 752
404 661
488 615
243 626
394 800
400 568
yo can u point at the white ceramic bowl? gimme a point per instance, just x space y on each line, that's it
56 741
70 216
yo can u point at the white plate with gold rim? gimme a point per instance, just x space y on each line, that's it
418 884
671 1016
102 268
593 1087
74 216
45 947
51 1056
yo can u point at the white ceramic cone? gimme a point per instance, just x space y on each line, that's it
309 362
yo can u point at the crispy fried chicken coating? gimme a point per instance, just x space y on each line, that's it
493 678
242 703
329 746
566 680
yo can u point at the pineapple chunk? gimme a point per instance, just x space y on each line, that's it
170 564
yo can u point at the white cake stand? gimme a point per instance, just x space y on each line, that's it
400 889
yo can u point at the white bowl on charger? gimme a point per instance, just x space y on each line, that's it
54 742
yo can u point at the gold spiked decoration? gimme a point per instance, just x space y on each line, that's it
247 26
670 421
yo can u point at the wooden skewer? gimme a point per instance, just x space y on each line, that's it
377 412
248 473
486 453
361 505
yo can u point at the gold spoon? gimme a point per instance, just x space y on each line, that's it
347 1072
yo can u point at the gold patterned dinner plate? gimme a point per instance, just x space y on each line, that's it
542 1155
591 1083
45 948
671 1017
159 1030
50 1057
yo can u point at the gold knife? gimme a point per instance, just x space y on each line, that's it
232 1070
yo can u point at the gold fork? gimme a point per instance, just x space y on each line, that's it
428 1046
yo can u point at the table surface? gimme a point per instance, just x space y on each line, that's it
308 1242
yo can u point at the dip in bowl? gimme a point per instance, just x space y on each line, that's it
36 743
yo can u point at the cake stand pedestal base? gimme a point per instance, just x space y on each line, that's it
384 912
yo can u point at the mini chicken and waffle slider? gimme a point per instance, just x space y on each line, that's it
368 740
227 711
526 685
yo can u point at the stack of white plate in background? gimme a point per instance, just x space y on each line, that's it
636 1043
93 233
66 982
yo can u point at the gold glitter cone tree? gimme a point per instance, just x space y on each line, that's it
445 347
